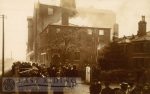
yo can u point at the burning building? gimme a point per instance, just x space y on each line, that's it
53 38
44 15
72 44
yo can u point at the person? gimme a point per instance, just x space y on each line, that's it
137 89
95 87
53 71
92 88
146 88
69 75
98 87
74 75
131 87
107 89
124 88
58 82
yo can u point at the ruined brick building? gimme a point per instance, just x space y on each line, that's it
52 39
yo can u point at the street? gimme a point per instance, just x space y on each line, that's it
81 88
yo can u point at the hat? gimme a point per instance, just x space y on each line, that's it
124 84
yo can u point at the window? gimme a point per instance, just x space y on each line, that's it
141 49
146 47
89 31
101 32
50 11
57 30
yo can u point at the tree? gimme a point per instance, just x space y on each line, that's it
67 42
113 57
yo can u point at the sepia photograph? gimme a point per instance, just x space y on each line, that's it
74 47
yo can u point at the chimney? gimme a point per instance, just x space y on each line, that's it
68 9
115 32
143 18
65 17
142 27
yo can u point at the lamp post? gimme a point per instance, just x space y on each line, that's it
3 45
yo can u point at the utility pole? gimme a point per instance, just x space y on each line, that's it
3 45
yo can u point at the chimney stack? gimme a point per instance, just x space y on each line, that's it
143 18
68 9
65 17
142 27
116 30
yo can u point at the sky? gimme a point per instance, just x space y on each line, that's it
128 13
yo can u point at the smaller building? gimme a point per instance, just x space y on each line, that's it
137 47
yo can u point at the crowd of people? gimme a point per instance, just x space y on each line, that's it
125 88
67 72
27 69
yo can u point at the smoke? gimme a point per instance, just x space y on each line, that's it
128 12
94 18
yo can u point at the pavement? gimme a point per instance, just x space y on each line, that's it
80 88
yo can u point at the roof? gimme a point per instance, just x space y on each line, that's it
126 39
134 38
143 38
72 25
76 26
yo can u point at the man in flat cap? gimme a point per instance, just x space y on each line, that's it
124 88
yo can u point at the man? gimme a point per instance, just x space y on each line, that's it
75 74
95 87
107 89
138 89
124 89
131 87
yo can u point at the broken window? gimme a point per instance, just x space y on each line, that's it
101 32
